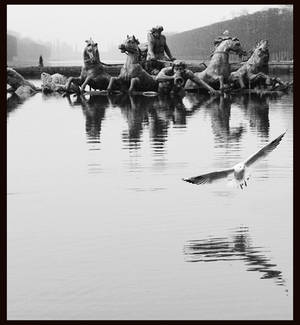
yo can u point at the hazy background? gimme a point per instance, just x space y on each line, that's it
111 23
58 32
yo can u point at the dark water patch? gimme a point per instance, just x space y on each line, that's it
13 102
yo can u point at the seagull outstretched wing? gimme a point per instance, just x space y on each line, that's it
237 169
263 151
209 177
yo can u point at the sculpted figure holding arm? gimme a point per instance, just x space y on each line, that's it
173 79
157 47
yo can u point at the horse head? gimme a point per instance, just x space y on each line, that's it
130 45
91 51
228 44
261 52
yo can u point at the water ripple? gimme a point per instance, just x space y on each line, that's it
238 247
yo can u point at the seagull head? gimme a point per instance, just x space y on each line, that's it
239 167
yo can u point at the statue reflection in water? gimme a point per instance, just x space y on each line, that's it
254 105
171 109
219 109
156 113
256 108
13 102
236 247
160 118
93 108
135 111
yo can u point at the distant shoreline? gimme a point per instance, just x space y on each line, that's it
57 63
70 63
281 67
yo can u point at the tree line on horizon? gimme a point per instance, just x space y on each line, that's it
27 51
275 25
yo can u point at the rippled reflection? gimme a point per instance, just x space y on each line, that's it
90 174
219 110
237 247
94 111
93 108
256 108
194 101
155 115
135 111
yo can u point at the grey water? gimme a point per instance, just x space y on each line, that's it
101 225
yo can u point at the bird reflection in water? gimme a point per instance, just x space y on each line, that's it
237 247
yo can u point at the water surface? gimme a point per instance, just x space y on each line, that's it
101 226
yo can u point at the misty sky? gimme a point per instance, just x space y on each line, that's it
109 24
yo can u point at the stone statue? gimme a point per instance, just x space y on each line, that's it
157 47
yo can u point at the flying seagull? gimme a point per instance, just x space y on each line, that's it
238 170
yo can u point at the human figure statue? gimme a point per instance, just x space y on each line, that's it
225 35
173 79
157 47
41 63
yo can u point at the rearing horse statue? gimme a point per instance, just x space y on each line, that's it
218 70
252 70
93 72
132 75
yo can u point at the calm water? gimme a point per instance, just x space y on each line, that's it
101 226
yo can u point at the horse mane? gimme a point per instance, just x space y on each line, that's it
252 50
123 48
